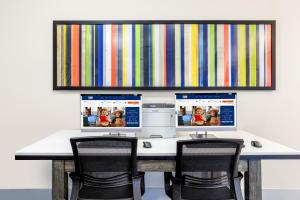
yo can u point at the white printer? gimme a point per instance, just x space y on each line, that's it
158 120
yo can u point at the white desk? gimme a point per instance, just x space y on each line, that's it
161 157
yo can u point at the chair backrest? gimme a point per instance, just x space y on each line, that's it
104 154
208 155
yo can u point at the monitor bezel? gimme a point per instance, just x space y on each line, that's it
206 128
110 129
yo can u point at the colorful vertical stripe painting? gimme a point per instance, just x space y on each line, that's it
164 55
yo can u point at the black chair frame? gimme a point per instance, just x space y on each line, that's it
115 181
235 176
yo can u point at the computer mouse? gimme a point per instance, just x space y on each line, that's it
147 144
256 144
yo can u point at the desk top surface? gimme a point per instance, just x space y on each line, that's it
57 146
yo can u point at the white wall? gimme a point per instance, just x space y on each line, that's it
31 110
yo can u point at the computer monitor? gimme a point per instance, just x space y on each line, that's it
205 111
111 112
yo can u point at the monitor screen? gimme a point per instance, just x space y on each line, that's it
113 111
206 111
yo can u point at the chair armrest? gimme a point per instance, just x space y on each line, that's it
167 179
75 186
175 180
176 188
136 186
74 176
237 186
176 183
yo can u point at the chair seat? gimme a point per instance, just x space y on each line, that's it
94 193
116 186
189 193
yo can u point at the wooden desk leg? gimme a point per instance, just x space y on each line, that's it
59 180
253 186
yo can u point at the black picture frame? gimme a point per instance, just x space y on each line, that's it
246 22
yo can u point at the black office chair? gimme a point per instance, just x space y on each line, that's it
106 168
206 169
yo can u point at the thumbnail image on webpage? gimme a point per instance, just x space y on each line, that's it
199 116
104 117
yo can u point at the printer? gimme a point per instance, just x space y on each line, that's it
158 120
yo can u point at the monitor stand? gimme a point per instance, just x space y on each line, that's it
202 136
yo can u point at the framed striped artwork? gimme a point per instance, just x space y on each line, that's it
164 55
